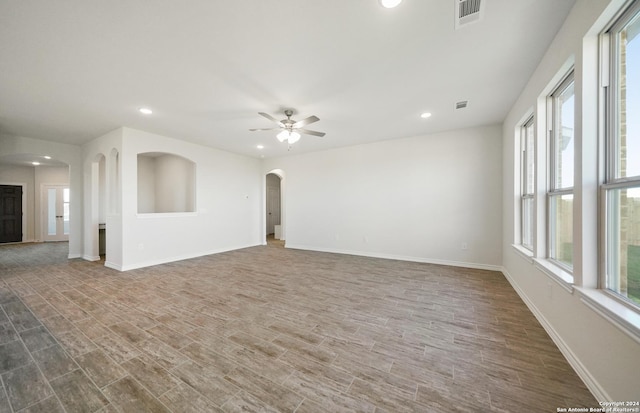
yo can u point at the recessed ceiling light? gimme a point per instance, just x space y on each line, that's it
35 163
260 146
389 4
47 157
145 111
425 115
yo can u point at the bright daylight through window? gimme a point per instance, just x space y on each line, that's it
622 186
561 155
527 163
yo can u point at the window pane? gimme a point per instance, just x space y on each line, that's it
66 218
51 211
561 228
65 206
563 136
527 223
623 242
628 145
529 159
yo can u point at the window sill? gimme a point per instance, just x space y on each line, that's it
523 252
618 314
557 274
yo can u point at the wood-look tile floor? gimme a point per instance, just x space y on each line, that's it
268 329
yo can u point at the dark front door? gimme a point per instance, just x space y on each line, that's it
10 213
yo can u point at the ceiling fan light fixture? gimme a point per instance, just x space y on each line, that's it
289 136
390 4
294 137
291 130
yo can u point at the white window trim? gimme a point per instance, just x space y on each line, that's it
562 273
523 252
620 311
524 171
556 273
563 278
612 310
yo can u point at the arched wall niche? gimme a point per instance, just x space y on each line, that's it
100 160
166 183
114 182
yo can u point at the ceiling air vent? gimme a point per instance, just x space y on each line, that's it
468 11
462 104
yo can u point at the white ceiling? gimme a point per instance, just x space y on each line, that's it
72 70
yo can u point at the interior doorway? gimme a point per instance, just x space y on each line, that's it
274 217
56 202
10 213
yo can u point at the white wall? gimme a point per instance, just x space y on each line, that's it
228 211
69 154
101 196
165 184
417 199
606 358
146 184
174 184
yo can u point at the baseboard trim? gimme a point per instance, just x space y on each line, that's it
74 255
91 257
112 265
424 260
592 384
182 257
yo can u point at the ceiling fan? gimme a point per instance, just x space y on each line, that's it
291 129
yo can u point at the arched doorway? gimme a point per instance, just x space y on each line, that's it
95 226
274 208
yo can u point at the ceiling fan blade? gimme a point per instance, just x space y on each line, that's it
311 132
271 118
306 121
253 130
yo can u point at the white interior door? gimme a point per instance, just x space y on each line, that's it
273 209
56 213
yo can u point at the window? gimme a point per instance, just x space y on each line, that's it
66 198
560 193
621 189
527 163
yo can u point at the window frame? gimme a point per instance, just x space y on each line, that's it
525 175
610 53
555 127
